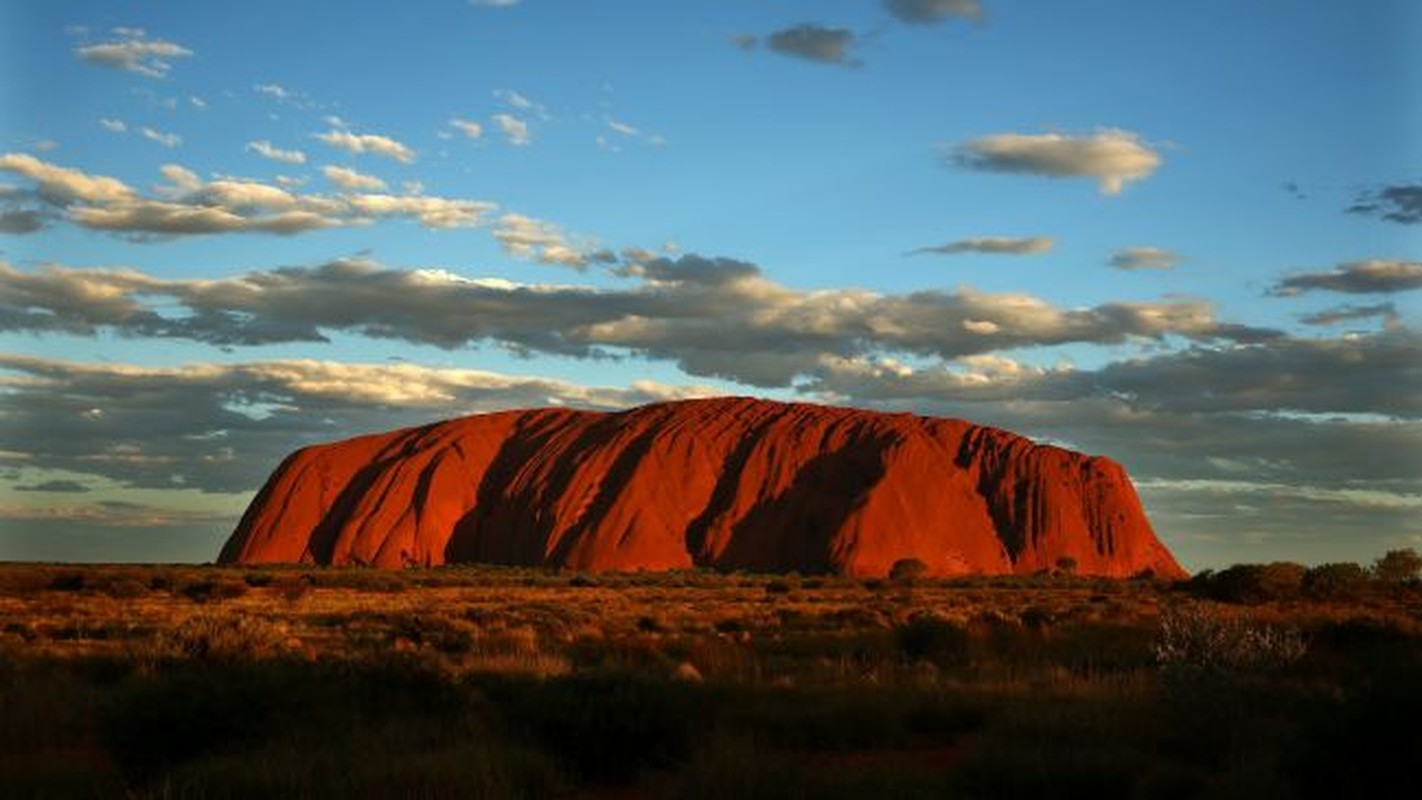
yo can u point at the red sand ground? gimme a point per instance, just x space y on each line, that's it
731 483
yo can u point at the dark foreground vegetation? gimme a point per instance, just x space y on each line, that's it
1254 682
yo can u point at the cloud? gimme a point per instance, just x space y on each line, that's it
274 90
521 102
165 139
62 185
1376 276
745 41
1350 313
348 180
631 132
1144 258
22 221
190 206
815 43
527 238
114 125
1003 245
1400 203
265 149
368 143
514 129
56 486
1113 157
495 3
713 317
21 212
931 12
134 51
472 130
224 427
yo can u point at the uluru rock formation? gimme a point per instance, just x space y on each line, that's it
732 483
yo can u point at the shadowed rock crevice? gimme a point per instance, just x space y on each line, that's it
727 483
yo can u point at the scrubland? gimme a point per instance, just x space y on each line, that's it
487 682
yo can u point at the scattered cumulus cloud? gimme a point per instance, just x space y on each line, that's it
348 180
165 139
188 205
1131 258
266 149
997 245
514 129
533 239
471 130
113 125
374 144
134 51
1400 203
1376 276
1111 156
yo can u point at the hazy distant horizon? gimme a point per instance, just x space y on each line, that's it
1181 236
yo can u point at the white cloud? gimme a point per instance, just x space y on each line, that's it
631 132
368 143
349 180
135 52
274 90
527 238
114 125
165 139
64 185
1144 258
190 206
1113 157
472 130
513 128
265 149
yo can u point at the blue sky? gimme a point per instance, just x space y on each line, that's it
1182 235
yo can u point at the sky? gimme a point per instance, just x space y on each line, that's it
1183 235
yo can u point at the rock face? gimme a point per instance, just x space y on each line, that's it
730 483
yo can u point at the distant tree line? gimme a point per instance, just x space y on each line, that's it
1283 580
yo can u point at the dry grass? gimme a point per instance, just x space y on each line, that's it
501 682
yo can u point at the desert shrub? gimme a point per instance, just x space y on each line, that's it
907 570
939 641
582 581
1250 583
605 726
1398 566
293 589
218 637
257 580
1335 581
126 589
1066 565
1198 641
67 582
212 589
